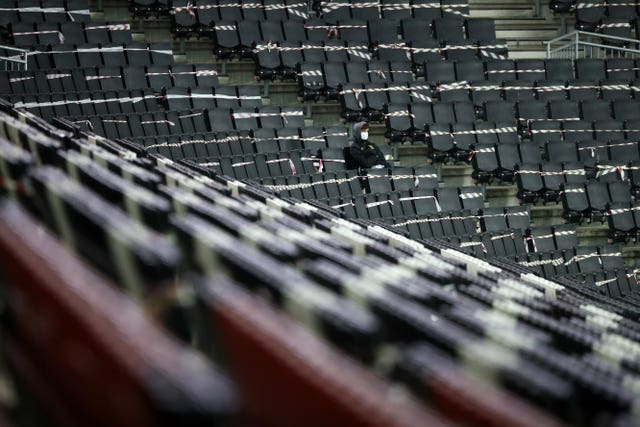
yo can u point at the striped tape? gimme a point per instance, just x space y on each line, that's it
127 99
35 33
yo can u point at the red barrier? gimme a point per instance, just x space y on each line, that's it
288 377
85 350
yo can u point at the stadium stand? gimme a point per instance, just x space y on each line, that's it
210 255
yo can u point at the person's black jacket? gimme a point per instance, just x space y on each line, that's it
365 154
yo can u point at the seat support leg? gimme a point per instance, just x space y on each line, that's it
267 84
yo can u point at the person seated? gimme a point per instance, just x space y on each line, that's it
365 154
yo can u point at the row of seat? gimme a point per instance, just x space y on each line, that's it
547 181
285 55
87 103
412 121
619 283
514 244
450 30
39 11
373 31
203 16
178 98
582 259
192 121
240 38
438 224
494 244
551 238
471 143
587 160
391 9
592 200
604 130
368 100
253 166
210 10
156 77
345 183
547 90
593 153
613 8
262 140
413 204
63 56
555 77
315 186
327 78
564 70
143 8
442 77
269 163
566 110
51 33
434 225
623 220
594 15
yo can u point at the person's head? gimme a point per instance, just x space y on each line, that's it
361 131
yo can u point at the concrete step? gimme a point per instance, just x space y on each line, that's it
528 54
108 10
527 49
515 32
474 4
528 23
503 12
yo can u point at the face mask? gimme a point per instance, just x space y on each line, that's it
364 135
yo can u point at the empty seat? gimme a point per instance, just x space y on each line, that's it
382 31
530 69
481 29
621 69
580 90
615 89
588 14
564 110
501 69
547 90
596 110
470 71
626 109
559 69
365 10
484 162
437 72
495 111
449 29
574 202
532 110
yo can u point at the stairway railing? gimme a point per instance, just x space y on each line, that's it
583 44
18 61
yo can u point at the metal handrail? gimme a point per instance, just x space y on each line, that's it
574 44
20 59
